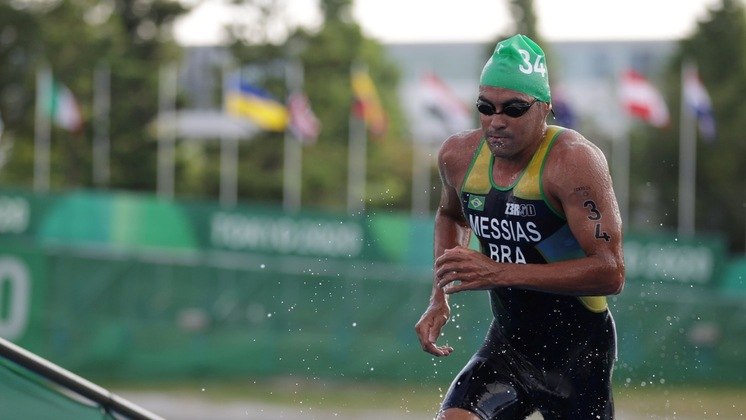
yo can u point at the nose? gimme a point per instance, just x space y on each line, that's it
497 121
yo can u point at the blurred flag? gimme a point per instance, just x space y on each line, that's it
563 113
60 104
642 100
303 122
698 101
443 104
367 104
245 100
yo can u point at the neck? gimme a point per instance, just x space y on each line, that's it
506 169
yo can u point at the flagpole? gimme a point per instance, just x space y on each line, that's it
418 182
293 149
3 146
228 171
101 140
167 87
42 130
687 162
421 181
356 169
620 157
228 160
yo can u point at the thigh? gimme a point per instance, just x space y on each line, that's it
596 404
592 379
593 397
589 390
487 391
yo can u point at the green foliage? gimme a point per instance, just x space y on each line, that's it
717 47
133 39
72 38
327 57
525 22
19 48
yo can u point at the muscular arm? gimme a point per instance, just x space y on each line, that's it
451 230
578 183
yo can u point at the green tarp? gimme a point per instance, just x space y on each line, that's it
26 395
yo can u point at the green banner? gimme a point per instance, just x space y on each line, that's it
130 222
22 285
128 286
667 258
20 214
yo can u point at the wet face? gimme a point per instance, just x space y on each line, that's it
516 124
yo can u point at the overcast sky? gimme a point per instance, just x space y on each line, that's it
392 21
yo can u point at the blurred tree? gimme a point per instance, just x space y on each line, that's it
134 39
327 56
71 38
19 48
718 49
137 41
525 22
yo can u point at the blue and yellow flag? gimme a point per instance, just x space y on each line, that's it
248 101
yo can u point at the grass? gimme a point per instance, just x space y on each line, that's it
641 401
303 392
670 402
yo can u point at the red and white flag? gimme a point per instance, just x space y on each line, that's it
642 100
303 122
444 105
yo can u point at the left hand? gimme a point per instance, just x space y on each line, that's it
460 268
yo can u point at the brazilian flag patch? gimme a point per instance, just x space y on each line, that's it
476 202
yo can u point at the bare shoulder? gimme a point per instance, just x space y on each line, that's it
575 163
456 154
572 147
458 145
573 156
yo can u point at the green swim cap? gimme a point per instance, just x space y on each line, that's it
519 64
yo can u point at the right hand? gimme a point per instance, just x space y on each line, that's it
428 328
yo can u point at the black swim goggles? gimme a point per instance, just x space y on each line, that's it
513 109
